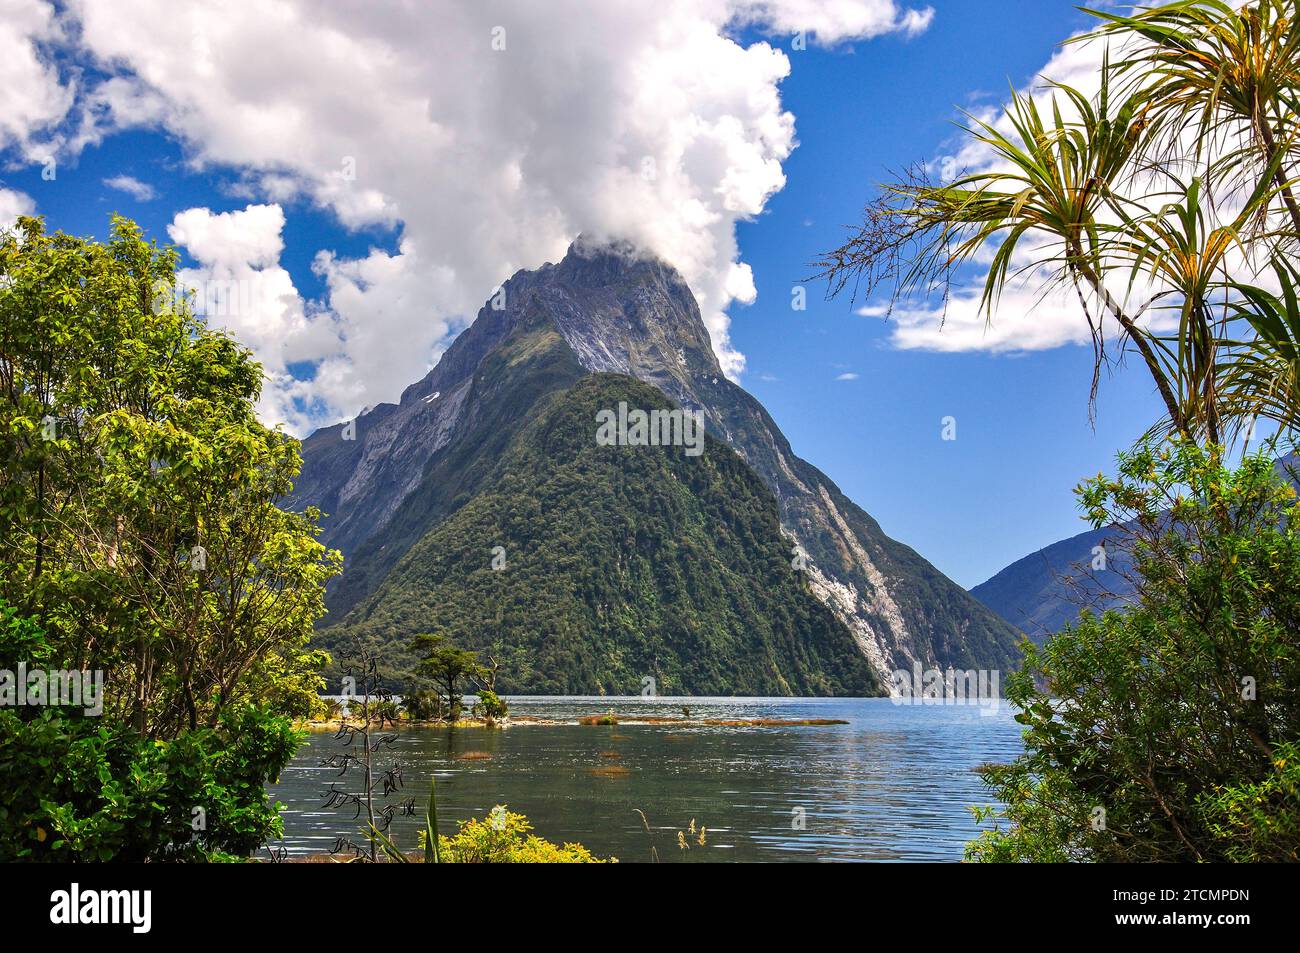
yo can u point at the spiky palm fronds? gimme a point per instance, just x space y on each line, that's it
1174 182
1222 78
1262 377
1053 181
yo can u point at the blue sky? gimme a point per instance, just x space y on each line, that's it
861 107
1002 489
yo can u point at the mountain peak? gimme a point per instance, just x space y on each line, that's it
597 259
609 308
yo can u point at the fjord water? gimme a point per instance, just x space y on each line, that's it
892 784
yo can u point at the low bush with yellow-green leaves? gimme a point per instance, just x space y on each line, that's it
504 837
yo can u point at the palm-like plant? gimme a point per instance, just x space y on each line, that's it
1174 180
1181 251
1228 77
1262 378
1052 194
1224 82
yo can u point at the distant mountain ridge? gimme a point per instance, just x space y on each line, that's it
1042 592
606 310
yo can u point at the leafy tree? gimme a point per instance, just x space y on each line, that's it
1168 732
138 517
140 537
447 666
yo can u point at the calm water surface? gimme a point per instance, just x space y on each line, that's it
892 784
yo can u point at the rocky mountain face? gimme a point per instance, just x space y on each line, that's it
604 310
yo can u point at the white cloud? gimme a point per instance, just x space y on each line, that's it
141 191
13 204
251 237
239 285
1025 320
386 308
34 100
847 376
832 21
648 122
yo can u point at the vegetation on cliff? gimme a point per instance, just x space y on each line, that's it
589 569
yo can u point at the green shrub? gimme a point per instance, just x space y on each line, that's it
77 788
1167 732
504 837
491 705
1260 822
423 705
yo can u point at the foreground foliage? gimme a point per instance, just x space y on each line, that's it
80 788
140 538
1168 732
504 837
